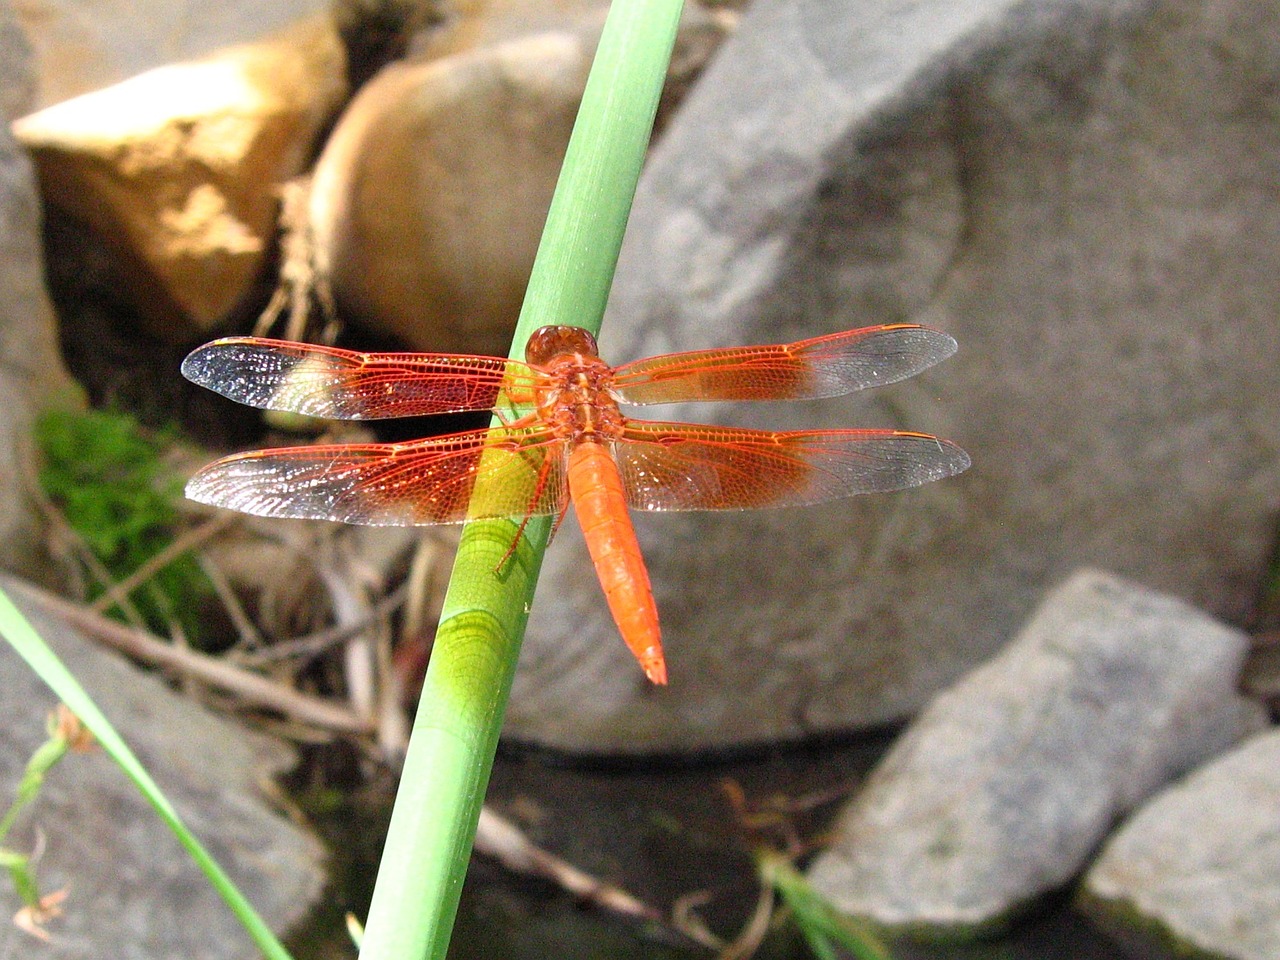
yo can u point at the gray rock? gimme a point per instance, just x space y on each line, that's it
134 894
1198 867
1082 193
17 71
32 374
1004 785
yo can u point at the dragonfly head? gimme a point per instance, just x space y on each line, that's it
547 343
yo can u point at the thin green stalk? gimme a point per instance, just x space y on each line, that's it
31 647
825 929
464 696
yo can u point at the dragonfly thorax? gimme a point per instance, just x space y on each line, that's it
577 400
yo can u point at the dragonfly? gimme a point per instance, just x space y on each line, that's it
565 439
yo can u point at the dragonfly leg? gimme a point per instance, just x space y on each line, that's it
544 471
559 520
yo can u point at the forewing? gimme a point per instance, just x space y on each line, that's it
480 473
677 466
808 369
346 385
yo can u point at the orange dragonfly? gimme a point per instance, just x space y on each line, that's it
574 445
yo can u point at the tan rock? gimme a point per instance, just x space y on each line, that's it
179 167
470 24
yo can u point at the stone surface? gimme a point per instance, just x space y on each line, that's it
134 894
179 168
85 45
1007 781
17 70
1082 193
1198 867
32 374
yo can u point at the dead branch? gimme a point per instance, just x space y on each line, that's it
250 688
498 837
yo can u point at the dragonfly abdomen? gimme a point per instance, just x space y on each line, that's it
596 489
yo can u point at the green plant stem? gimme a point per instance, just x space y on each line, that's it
41 762
464 696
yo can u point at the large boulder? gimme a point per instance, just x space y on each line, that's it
1083 194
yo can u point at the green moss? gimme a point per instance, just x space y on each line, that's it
107 476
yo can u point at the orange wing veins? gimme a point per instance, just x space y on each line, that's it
424 482
828 366
345 385
681 466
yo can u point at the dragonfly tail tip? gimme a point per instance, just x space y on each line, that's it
656 672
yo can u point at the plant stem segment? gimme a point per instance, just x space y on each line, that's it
473 662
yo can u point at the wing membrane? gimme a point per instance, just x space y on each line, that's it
346 385
808 369
404 484
677 466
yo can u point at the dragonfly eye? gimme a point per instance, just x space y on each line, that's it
547 343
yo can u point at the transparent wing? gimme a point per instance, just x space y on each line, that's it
808 369
398 484
679 466
346 385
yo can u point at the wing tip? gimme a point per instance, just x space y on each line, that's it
221 484
952 460
194 366
941 345
201 365
947 345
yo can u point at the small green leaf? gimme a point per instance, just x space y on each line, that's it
820 923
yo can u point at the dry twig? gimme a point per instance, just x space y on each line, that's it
498 837
250 688
188 540
314 644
